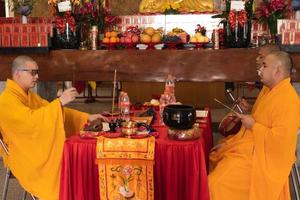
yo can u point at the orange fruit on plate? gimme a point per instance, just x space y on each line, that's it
113 40
108 34
113 34
145 38
149 31
105 40
155 38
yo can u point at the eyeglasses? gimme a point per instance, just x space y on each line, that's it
33 72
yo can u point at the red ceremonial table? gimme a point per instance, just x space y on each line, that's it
179 170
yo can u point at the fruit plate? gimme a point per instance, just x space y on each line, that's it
159 46
151 45
142 46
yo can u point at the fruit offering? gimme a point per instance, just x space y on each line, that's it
200 35
111 37
180 33
151 35
171 39
131 35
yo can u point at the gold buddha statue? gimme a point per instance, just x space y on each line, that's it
154 6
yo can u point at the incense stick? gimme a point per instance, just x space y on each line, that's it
73 77
114 93
234 100
227 107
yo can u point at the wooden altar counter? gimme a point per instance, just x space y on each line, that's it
147 65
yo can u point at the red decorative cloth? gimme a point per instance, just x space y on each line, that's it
179 171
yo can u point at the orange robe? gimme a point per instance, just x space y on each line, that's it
255 163
34 131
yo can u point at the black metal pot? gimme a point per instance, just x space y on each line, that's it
179 116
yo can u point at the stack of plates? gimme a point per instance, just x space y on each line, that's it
159 46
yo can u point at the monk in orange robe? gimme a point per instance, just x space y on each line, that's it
256 162
35 130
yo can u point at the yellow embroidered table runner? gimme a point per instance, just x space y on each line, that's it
126 168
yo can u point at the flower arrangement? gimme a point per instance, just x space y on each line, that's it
171 8
239 17
237 24
270 10
90 12
200 29
226 14
22 7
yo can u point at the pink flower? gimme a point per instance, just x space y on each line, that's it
127 170
277 5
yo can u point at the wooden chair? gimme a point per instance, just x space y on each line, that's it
294 175
295 180
9 175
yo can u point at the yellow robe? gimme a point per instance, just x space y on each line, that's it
255 163
34 131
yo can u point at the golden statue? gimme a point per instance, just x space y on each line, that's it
154 6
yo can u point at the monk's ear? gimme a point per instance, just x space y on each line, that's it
279 70
16 74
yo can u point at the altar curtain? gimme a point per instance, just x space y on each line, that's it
126 168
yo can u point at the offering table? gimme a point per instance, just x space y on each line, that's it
179 170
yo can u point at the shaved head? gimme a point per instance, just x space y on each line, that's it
20 62
25 72
283 61
269 48
263 52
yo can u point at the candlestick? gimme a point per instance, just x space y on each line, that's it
67 30
114 93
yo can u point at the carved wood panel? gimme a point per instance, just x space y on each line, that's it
124 7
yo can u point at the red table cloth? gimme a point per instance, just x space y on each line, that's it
179 171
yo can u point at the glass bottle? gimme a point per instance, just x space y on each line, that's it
124 106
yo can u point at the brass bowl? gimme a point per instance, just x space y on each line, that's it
129 131
129 128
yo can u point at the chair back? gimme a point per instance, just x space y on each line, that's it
3 145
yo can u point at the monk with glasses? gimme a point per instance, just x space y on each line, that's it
35 129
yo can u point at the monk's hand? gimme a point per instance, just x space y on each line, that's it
67 96
247 120
97 116
243 103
